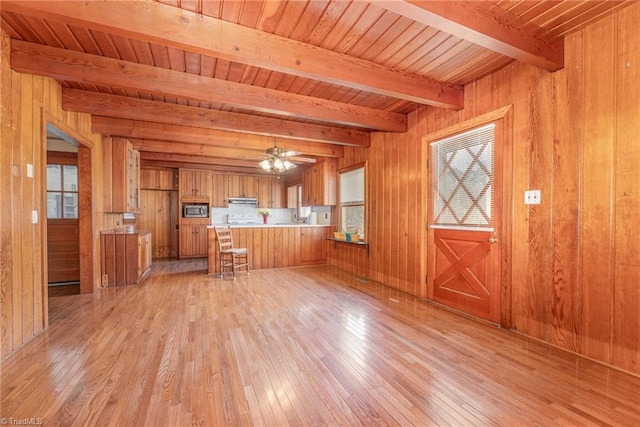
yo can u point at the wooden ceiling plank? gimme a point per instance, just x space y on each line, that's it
181 29
485 25
154 111
216 138
75 66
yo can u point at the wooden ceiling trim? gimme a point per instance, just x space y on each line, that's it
154 111
216 138
185 30
75 66
487 26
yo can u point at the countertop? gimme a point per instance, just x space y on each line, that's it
269 225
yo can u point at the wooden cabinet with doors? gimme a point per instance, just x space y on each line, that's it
158 179
195 185
126 257
270 192
312 248
319 184
243 186
193 238
220 191
121 176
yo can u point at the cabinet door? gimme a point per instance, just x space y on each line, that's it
195 184
312 245
133 179
122 172
149 179
277 193
249 186
264 192
220 190
292 197
200 241
193 241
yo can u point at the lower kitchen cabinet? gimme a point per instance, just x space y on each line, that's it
275 247
193 240
126 257
313 245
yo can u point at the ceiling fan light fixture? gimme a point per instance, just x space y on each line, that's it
276 160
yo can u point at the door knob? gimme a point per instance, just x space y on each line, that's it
492 240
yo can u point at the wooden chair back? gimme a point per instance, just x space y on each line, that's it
224 237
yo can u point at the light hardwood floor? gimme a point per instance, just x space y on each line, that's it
300 346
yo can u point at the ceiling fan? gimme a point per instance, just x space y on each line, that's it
278 160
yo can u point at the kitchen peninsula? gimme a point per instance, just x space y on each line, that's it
275 245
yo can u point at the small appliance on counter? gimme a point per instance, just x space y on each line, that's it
313 218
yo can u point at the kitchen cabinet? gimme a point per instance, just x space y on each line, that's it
270 192
294 193
195 185
319 184
313 245
220 191
243 186
121 176
126 257
193 238
158 179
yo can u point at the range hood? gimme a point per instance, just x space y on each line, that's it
243 200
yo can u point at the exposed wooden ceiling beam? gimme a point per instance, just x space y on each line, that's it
196 149
213 138
178 28
193 162
102 71
186 158
225 159
155 111
484 24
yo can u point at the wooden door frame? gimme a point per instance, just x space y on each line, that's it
85 201
506 208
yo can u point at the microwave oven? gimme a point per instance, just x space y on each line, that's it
195 210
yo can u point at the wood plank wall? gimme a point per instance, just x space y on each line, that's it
575 257
26 102
395 197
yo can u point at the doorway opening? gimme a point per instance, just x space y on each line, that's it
67 200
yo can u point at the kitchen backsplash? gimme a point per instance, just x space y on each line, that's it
219 215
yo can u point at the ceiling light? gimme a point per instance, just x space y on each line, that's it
276 160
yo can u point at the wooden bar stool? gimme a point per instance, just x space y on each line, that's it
230 257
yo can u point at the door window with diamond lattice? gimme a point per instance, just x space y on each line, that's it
462 177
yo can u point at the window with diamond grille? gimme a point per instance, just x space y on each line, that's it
462 176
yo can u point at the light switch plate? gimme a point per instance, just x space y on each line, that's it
29 170
34 217
532 197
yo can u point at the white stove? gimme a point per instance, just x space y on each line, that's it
241 218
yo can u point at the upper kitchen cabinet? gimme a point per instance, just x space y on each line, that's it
195 185
121 176
220 195
243 186
158 179
270 192
319 184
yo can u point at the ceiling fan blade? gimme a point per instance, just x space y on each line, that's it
292 153
300 159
